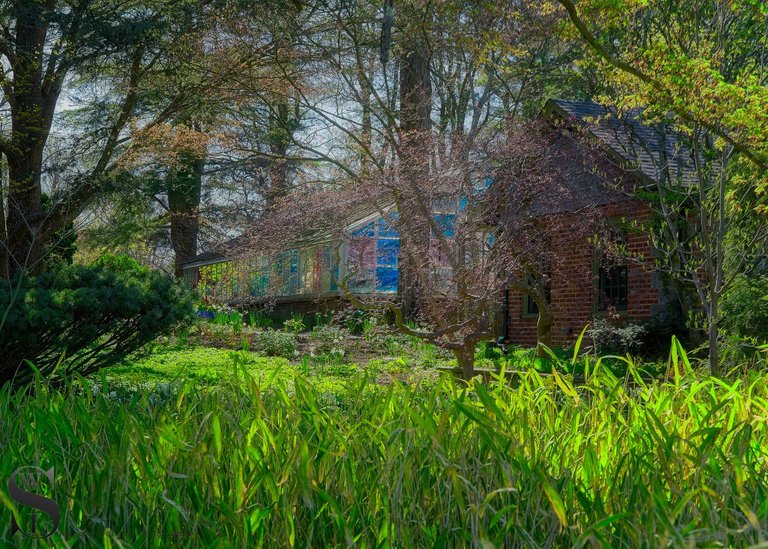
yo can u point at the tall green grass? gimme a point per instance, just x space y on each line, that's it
267 461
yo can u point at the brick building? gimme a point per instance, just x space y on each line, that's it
588 287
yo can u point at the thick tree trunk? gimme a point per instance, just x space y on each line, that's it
280 132
465 358
25 248
408 282
31 117
3 229
415 106
184 205
415 90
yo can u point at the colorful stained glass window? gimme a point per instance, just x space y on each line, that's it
366 231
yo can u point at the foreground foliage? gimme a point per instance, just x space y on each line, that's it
82 318
267 459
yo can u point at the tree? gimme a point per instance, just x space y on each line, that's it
698 71
167 163
412 83
466 244
78 319
221 158
705 63
116 46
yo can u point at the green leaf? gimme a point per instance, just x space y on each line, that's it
554 498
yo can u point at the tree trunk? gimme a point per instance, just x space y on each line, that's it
25 249
32 107
3 230
184 206
280 137
415 89
465 358
408 280
714 357
415 106
366 134
713 332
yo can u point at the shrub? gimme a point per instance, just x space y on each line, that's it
617 339
229 318
355 321
205 314
392 343
273 343
219 334
745 308
322 319
488 350
222 316
260 319
82 318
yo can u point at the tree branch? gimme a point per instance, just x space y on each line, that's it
592 40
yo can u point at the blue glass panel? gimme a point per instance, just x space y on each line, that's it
386 226
446 223
365 230
463 203
386 253
481 186
386 279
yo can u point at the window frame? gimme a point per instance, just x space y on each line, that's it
371 232
528 301
599 267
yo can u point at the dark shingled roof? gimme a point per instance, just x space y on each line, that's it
204 258
646 149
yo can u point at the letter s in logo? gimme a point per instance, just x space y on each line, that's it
31 476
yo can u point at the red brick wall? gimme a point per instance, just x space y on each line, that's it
573 282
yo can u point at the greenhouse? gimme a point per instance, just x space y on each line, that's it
367 259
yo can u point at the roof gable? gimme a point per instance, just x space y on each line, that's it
646 150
